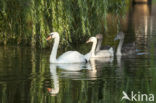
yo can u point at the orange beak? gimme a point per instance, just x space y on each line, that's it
88 41
49 89
49 38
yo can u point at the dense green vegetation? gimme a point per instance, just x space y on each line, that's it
28 22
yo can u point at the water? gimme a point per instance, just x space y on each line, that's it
26 74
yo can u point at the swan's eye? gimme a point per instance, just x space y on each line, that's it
52 35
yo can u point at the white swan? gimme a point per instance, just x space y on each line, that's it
67 57
127 49
100 53
98 46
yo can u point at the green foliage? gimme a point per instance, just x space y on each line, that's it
28 22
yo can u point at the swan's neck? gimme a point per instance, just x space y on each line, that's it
119 47
98 45
93 49
54 50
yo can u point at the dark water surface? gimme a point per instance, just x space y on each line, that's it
26 74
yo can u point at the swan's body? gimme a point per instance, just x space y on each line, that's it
99 53
104 53
71 57
124 50
67 57
98 46
87 56
99 49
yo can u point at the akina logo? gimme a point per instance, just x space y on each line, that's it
137 97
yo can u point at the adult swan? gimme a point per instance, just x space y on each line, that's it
67 57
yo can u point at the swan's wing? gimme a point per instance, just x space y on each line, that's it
71 57
87 56
103 53
129 47
103 60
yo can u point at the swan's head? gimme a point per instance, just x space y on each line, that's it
91 39
53 92
120 35
99 36
53 35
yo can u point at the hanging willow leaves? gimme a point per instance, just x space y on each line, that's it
28 22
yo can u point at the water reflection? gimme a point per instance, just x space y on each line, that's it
140 22
72 66
74 72
93 70
97 81
122 61
54 77
68 71
120 65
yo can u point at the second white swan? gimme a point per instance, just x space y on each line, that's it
100 53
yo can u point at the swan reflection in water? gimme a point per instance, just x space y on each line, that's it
68 68
54 77
74 71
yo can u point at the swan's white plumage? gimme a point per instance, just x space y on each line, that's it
67 57
99 53
104 53
70 57
87 56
